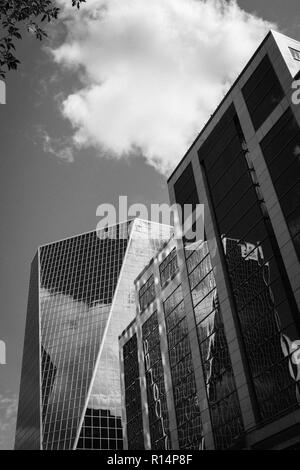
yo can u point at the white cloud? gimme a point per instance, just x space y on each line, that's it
153 71
54 146
78 331
70 317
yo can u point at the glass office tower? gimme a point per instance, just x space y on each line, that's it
81 297
245 168
179 389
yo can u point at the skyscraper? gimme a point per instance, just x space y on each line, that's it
179 390
244 167
81 297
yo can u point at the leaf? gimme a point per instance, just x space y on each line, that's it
28 14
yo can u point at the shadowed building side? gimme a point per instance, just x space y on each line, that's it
28 430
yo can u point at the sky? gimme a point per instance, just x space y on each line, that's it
107 106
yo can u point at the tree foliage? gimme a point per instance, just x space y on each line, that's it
17 15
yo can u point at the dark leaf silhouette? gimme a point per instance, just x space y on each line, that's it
17 14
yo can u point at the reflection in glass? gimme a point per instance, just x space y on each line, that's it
147 293
189 425
133 405
86 299
264 301
168 267
266 341
218 374
156 393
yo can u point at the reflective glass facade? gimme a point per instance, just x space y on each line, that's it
245 292
86 298
172 330
266 328
170 401
147 293
170 365
133 405
168 267
186 403
78 280
220 384
264 302
156 392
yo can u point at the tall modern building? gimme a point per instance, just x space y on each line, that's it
178 386
209 335
244 167
179 389
81 297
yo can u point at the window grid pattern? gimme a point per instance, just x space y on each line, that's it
156 392
133 404
188 416
147 239
78 280
265 337
217 369
82 313
268 317
147 293
168 267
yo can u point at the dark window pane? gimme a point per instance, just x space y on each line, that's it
185 188
281 149
262 92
